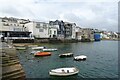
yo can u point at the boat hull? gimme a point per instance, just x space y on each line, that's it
64 72
40 54
20 48
55 74
62 56
46 50
66 55
81 57
37 48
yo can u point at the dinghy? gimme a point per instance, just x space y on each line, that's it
42 54
66 55
81 57
64 71
40 47
50 49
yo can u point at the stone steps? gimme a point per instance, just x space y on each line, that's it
9 61
9 64
14 74
11 67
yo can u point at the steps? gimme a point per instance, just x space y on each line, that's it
11 68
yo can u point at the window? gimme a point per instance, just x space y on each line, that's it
54 32
50 32
41 30
37 25
5 24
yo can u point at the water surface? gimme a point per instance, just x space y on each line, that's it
102 61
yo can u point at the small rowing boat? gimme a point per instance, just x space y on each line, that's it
40 47
49 49
66 55
64 71
81 57
42 54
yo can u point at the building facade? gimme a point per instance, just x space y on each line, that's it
70 30
79 33
60 30
11 29
38 29
53 31
87 34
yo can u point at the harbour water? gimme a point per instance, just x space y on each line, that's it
102 61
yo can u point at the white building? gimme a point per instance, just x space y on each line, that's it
11 29
38 29
53 31
79 33
42 29
73 31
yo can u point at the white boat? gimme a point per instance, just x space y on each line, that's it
64 71
40 47
81 57
20 48
66 55
49 49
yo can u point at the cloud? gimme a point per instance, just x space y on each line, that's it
101 14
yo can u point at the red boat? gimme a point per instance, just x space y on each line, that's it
42 54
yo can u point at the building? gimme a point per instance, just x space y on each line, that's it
70 30
73 31
11 29
42 30
60 30
79 33
38 29
53 31
87 34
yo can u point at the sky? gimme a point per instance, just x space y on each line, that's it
97 14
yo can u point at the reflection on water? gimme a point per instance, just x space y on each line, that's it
102 61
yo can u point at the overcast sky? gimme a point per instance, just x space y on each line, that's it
100 14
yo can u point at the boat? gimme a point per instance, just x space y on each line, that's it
42 54
20 48
64 71
81 57
40 47
50 49
66 55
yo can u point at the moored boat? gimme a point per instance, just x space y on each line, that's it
40 47
50 49
64 71
20 48
42 54
66 55
81 57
